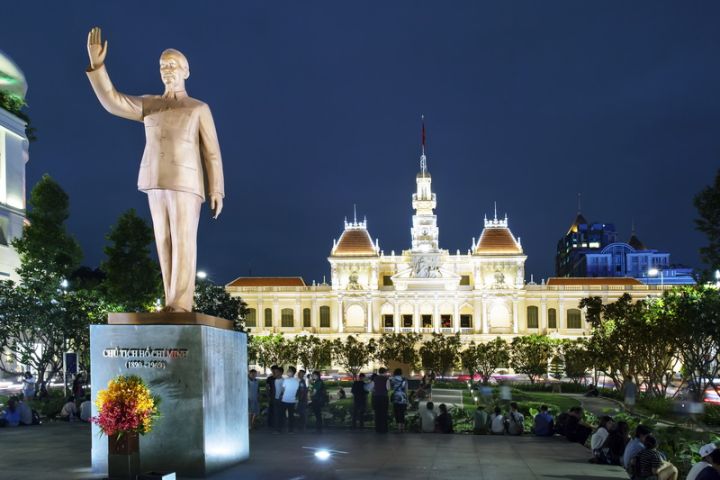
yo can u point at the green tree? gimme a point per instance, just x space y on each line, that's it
273 349
313 353
485 358
531 355
707 203
353 354
693 315
578 359
440 353
398 347
214 300
132 278
48 253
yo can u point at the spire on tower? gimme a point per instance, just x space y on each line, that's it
354 213
495 203
423 158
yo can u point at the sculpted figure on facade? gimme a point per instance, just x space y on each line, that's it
180 165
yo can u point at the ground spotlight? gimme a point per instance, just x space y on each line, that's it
322 454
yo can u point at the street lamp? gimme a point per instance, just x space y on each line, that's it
201 275
654 272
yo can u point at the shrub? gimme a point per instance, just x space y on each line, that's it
711 415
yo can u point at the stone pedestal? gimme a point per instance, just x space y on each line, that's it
197 365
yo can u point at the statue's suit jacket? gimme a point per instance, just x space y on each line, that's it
181 140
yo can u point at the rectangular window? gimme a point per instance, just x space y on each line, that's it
387 281
306 318
250 318
465 321
286 318
574 319
268 317
532 317
388 321
552 318
324 317
446 321
427 321
407 321
465 280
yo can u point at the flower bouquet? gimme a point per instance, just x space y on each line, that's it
126 409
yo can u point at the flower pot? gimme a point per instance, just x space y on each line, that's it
123 456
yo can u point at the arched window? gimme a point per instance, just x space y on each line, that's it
306 318
286 318
251 318
552 318
532 317
268 317
324 316
574 319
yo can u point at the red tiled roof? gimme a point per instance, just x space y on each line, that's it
267 282
593 281
355 242
495 240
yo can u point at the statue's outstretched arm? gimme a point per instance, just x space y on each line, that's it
126 106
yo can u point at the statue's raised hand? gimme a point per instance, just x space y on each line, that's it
96 49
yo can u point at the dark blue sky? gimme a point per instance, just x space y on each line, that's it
317 106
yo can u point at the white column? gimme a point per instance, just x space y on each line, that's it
560 321
543 317
485 319
436 316
515 316
369 316
416 316
456 317
276 315
298 320
396 320
314 323
340 316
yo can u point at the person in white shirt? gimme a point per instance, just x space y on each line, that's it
497 423
704 463
598 439
86 409
427 418
288 396
69 410
28 389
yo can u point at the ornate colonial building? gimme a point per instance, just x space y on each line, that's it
481 293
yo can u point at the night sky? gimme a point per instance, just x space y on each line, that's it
318 104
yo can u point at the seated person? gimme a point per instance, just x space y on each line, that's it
713 471
598 439
576 430
341 394
592 391
651 464
635 446
616 442
704 462
515 420
26 415
444 421
427 418
69 410
497 422
85 409
543 423
11 416
482 421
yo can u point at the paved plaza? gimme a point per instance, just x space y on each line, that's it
62 451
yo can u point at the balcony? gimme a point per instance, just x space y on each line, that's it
388 329
427 330
466 330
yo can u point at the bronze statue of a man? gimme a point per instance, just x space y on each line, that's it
181 157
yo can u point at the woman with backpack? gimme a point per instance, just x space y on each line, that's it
399 396
514 422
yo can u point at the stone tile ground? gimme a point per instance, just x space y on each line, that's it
62 451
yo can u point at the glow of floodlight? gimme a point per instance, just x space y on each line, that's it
322 454
201 275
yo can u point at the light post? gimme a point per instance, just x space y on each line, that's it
201 275
717 279
654 272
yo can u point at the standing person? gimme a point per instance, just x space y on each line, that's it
302 400
381 386
253 398
77 387
270 394
713 471
443 421
427 418
630 391
481 421
599 439
359 401
704 462
543 423
318 399
515 420
288 396
28 383
497 422
399 388
277 401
